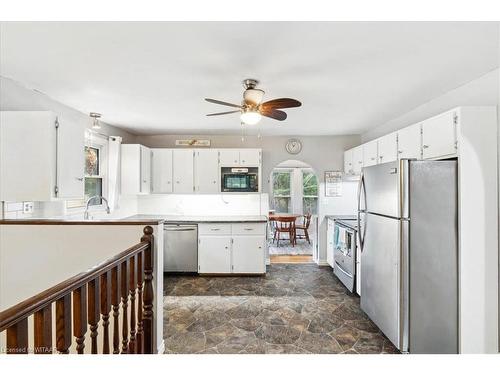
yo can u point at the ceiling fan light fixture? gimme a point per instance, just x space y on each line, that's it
253 96
250 117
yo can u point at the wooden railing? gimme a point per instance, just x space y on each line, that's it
124 282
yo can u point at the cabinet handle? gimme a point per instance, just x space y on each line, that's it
144 181
225 247
372 159
425 146
260 247
79 178
176 182
400 152
381 157
360 162
248 228
214 229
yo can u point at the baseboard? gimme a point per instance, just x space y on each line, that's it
161 348
323 263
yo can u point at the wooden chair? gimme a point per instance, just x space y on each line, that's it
304 227
285 225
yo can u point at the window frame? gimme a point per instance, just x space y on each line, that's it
289 196
310 171
101 143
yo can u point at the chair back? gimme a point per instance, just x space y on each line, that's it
307 220
285 222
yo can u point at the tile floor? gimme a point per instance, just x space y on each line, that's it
293 309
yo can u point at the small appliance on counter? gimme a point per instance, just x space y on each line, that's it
239 179
344 251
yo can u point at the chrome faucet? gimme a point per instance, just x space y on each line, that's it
86 214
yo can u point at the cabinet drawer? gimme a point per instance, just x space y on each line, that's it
248 228
215 229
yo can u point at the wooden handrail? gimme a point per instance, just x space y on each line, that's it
60 294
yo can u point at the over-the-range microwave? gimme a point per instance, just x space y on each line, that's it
239 179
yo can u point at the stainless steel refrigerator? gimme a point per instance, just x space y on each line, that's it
408 219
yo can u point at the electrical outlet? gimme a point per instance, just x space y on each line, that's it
28 207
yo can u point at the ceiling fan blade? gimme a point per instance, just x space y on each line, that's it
222 103
274 114
222 113
281 103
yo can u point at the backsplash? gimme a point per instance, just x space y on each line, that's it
204 204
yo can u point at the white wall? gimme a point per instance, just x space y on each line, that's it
482 91
324 153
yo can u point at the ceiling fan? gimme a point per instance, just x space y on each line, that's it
252 109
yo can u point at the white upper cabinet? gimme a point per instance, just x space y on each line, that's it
439 136
250 157
183 174
145 170
161 174
409 142
229 157
207 171
370 153
136 169
357 159
41 157
348 167
388 148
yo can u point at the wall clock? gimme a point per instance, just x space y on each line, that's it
293 146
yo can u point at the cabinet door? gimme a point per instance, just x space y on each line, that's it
409 142
439 136
370 153
214 254
357 159
250 157
161 174
248 254
183 164
70 159
207 171
329 242
229 157
388 148
348 168
145 170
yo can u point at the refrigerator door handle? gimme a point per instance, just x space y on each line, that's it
361 186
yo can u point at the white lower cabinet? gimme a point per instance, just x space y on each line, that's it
214 254
329 241
232 248
248 254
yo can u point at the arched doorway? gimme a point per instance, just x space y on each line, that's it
294 191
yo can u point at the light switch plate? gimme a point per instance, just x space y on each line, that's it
28 207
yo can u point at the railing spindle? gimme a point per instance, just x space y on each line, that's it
115 302
132 286
105 309
140 332
148 291
43 330
124 293
93 312
80 317
63 324
17 338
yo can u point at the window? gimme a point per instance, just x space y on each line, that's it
95 167
309 192
282 191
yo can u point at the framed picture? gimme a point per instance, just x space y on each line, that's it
333 184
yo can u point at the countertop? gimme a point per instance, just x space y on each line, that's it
342 217
202 219
349 221
125 221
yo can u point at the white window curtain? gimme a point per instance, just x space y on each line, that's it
114 148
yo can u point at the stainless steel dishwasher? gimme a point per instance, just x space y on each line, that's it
180 251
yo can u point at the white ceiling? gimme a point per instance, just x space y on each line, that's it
151 78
